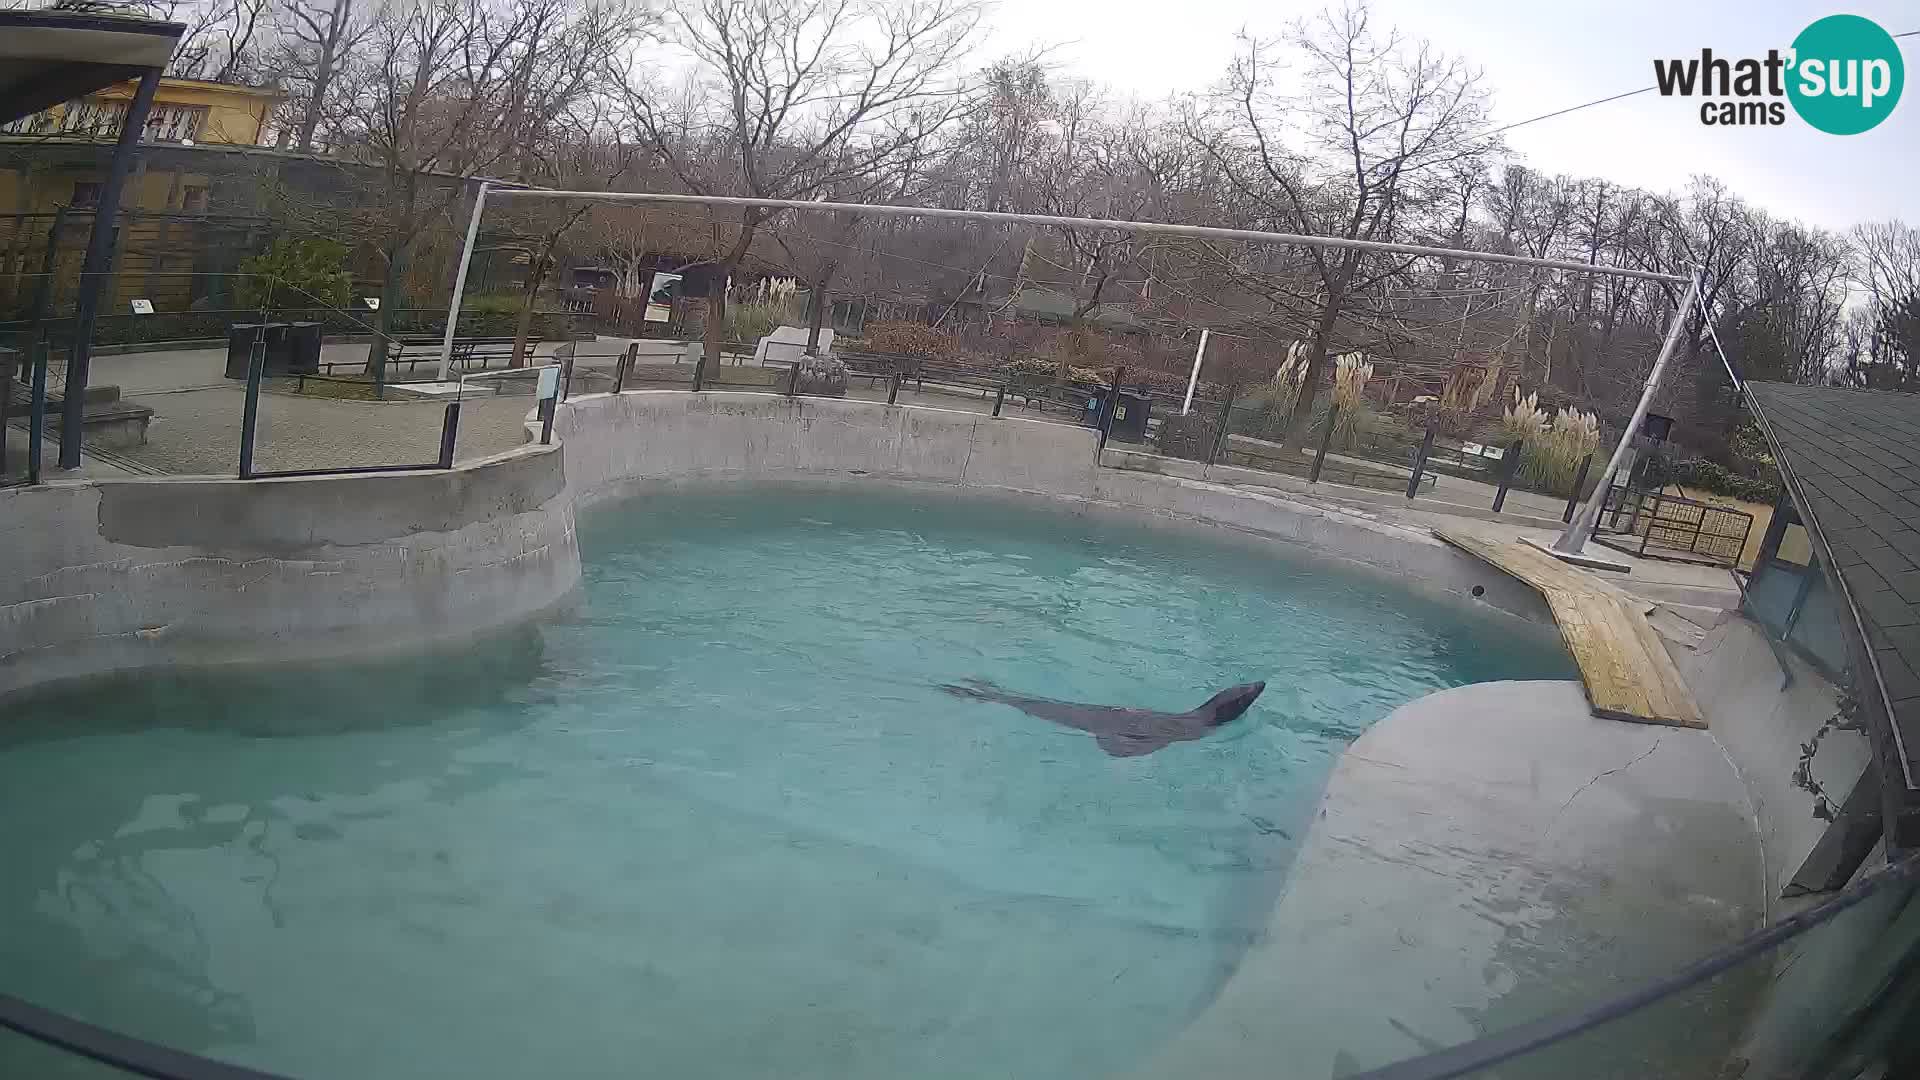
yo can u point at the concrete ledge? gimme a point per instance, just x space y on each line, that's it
621 444
1485 856
117 575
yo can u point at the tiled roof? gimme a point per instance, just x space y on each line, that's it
1854 457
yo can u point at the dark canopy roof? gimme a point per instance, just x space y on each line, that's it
51 56
1851 459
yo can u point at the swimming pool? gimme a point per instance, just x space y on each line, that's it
720 820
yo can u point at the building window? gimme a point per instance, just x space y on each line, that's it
86 195
97 119
193 200
1788 594
174 123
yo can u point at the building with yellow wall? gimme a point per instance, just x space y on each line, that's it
53 166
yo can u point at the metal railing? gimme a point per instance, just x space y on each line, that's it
140 1057
1656 525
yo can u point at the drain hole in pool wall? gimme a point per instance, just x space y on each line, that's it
1479 590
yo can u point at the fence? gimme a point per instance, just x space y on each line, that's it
1674 528
273 389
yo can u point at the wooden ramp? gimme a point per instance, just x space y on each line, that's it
1624 665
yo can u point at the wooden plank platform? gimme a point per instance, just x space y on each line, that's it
1624 665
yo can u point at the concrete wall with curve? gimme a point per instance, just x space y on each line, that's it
624 443
110 575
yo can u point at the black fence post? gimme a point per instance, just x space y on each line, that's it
1653 519
626 364
893 388
793 379
546 419
1220 428
36 412
1509 465
1420 464
449 432
250 412
1326 440
999 398
6 407
1113 405
1579 484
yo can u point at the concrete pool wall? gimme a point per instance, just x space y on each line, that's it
104 576
625 443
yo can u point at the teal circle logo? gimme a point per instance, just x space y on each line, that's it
1847 74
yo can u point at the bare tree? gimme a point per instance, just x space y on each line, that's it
318 36
791 99
436 94
1359 153
1887 271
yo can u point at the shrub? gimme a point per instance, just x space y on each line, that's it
1523 421
307 272
1703 475
754 319
1350 375
906 339
1550 461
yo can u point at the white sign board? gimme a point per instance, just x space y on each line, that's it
372 302
549 384
660 297
143 307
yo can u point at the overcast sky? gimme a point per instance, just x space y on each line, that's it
1541 56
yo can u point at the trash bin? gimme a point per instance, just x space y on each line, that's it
302 353
1129 423
240 339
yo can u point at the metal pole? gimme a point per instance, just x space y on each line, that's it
1579 482
37 411
6 407
1580 529
460 280
626 365
1151 227
1509 464
893 388
1420 464
250 411
1194 379
449 433
1220 427
999 398
1113 406
93 270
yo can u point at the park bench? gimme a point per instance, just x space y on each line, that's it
469 353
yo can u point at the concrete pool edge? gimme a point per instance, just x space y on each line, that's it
627 444
114 576
110 576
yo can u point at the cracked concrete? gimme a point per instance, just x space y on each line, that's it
1486 856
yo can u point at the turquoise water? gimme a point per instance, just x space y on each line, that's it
718 821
